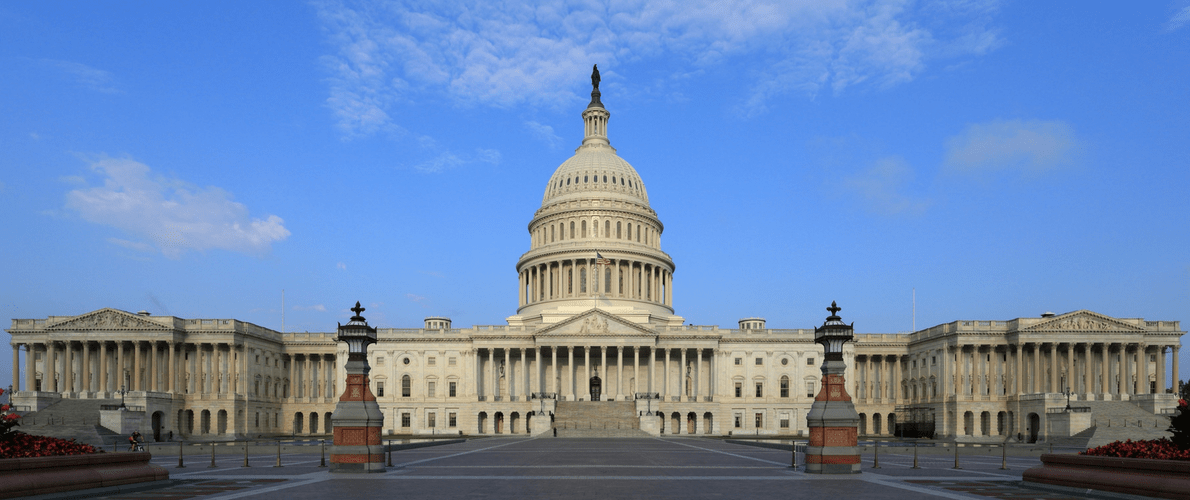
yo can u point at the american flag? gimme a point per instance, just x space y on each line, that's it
602 261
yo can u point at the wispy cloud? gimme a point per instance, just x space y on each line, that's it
544 133
881 188
341 266
507 53
86 76
139 246
174 215
316 307
1031 145
1179 20
446 160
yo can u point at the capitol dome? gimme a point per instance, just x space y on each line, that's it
595 242
595 171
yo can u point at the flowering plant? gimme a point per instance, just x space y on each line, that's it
7 421
22 445
1159 449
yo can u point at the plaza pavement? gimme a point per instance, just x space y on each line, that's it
591 468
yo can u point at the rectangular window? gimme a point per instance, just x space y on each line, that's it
380 361
406 387
258 419
452 419
432 420
432 389
431 361
784 420
739 421
759 361
784 388
451 361
739 390
933 360
739 361
405 420
759 420
452 387
809 389
380 389
759 389
809 361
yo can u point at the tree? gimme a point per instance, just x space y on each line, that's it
1179 425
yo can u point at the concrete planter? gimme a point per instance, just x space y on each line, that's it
35 476
1135 476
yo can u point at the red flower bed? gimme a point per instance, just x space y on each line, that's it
21 445
1158 449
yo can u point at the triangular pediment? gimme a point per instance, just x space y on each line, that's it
595 323
106 319
1083 321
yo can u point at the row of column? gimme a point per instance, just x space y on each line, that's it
574 278
494 364
312 375
107 366
1089 368
879 378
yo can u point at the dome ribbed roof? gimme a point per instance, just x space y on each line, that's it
595 172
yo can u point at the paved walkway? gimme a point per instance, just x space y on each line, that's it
593 468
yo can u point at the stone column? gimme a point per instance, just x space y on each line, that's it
1088 383
1105 370
619 372
1175 367
713 377
1127 366
1160 369
1142 356
16 367
665 378
30 366
586 389
1017 386
635 370
85 372
653 369
554 382
697 391
1037 379
68 366
570 371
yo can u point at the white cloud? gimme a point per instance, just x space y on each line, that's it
415 298
341 266
1032 145
447 160
139 246
544 133
317 307
506 53
86 76
1180 19
173 215
881 188
35 136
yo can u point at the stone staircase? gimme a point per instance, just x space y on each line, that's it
76 419
597 419
1113 421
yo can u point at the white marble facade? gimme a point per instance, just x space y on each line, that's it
595 300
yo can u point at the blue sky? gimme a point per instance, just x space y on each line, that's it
1001 158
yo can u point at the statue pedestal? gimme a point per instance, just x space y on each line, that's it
834 426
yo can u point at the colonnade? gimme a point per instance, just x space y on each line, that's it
1097 370
878 378
575 278
311 376
526 370
136 365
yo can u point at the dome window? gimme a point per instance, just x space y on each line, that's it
567 181
605 178
584 178
613 179
629 183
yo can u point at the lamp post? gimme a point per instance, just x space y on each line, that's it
1067 393
832 420
122 391
357 419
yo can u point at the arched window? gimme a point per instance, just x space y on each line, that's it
630 230
605 179
619 233
582 280
551 233
406 386
584 178
784 386
638 233
570 281
607 280
584 233
607 228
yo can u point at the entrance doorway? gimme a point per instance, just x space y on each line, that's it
157 417
1034 425
596 388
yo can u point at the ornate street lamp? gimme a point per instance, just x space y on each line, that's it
357 419
832 420
1067 393
122 391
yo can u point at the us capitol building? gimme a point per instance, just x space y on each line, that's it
596 330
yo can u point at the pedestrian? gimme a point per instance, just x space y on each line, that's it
132 442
